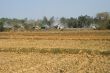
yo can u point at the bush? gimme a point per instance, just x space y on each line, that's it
108 26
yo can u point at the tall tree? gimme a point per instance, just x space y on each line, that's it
72 22
84 21
102 19
45 20
51 21
103 16
63 20
1 26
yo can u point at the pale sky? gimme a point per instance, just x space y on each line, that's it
34 9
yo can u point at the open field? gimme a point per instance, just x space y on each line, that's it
72 51
59 35
53 63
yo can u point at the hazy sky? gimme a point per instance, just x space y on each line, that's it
34 9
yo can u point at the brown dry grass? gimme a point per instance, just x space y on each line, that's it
53 63
77 51
59 35
83 39
75 44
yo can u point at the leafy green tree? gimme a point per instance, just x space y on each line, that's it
63 20
103 16
72 22
1 26
103 20
45 20
85 21
51 21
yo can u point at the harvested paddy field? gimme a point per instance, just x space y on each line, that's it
77 51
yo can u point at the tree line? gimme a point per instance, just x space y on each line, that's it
101 21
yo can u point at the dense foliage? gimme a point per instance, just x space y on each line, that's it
1 26
101 21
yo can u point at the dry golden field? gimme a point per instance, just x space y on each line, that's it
67 51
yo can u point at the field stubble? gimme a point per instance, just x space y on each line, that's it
55 52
